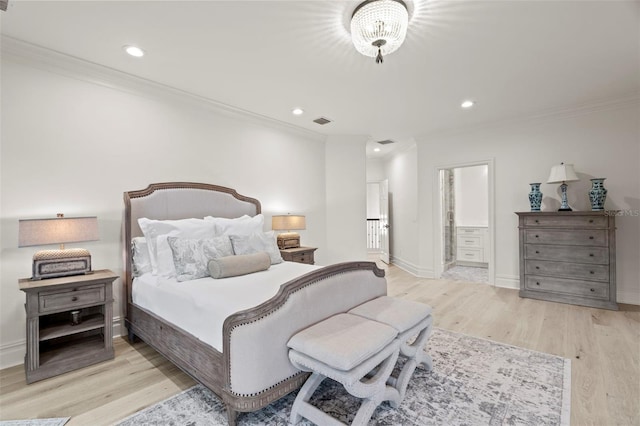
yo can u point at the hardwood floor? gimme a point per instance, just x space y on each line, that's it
604 347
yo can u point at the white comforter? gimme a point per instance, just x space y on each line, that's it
201 306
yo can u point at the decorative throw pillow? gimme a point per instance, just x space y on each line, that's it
191 257
184 228
232 266
260 241
141 263
243 225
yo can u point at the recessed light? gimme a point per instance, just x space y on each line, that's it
134 51
376 149
467 104
297 111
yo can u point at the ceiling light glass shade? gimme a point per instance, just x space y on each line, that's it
379 27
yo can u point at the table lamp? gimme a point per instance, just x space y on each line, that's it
563 173
59 230
287 223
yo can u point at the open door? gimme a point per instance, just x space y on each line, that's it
448 219
384 221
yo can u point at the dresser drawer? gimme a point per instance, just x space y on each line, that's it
578 237
68 299
566 221
588 255
462 231
577 271
302 258
470 241
470 254
594 289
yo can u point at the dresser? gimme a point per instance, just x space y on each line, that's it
472 248
568 257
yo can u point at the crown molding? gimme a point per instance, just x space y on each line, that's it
544 116
69 66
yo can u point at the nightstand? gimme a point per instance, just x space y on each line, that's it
69 323
299 254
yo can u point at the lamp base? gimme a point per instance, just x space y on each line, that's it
60 263
288 240
565 209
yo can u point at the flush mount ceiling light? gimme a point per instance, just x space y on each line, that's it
467 104
297 111
379 27
134 51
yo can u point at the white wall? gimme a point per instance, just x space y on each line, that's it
471 192
346 179
402 172
72 144
604 142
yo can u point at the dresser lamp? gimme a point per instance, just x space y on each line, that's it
59 230
288 223
563 173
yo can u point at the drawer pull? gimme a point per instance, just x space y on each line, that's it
591 221
537 267
591 238
536 236
467 241
590 254
592 290
74 299
537 283
537 252
537 221
591 272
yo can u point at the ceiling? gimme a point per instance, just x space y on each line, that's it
513 58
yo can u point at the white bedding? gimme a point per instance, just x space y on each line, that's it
201 306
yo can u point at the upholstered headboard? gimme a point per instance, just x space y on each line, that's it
179 200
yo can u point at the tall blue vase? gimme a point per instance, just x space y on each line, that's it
535 197
597 194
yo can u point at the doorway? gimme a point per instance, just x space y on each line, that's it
464 249
378 220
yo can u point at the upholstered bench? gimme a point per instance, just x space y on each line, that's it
345 348
409 319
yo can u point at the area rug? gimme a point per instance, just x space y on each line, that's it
473 382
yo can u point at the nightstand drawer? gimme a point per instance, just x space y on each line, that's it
302 258
61 300
595 290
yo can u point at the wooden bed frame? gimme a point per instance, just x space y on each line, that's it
325 292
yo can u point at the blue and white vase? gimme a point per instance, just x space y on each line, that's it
535 197
597 194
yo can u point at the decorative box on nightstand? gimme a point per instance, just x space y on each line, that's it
299 254
69 323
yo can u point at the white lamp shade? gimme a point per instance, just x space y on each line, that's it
60 230
562 173
288 222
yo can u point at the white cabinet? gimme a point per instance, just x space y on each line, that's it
472 245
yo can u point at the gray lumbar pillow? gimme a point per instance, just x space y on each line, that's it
242 264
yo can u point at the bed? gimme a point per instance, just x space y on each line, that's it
250 367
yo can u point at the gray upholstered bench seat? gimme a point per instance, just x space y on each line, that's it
345 348
409 319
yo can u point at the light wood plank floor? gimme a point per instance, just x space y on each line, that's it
604 347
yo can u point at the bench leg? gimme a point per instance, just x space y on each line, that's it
304 395
415 355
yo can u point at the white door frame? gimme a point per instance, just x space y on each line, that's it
437 215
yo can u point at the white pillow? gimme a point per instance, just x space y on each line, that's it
257 242
191 257
140 260
243 225
185 228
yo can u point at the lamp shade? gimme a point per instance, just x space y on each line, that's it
562 173
288 222
60 230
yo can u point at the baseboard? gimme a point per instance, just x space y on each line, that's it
628 297
507 281
412 268
12 354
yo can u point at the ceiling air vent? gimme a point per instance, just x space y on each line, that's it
322 121
386 142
